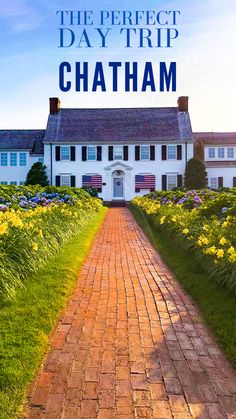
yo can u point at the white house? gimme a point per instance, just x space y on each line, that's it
19 149
218 151
123 152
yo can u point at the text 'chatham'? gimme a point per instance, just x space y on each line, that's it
117 76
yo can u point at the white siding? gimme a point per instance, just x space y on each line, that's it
17 173
106 168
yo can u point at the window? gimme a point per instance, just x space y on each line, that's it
22 183
3 183
171 182
211 153
171 152
230 153
118 152
145 152
221 153
41 160
13 159
13 182
91 153
65 180
4 159
213 183
65 153
22 159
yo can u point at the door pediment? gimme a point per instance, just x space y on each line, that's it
118 166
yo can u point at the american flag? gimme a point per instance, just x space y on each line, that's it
145 181
93 180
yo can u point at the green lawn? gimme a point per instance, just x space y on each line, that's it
26 323
217 304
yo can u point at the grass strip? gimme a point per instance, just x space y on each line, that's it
216 303
26 323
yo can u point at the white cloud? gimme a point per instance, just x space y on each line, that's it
20 15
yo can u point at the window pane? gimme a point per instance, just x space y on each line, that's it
22 183
230 153
92 153
65 180
221 153
65 153
3 159
22 159
171 182
211 153
172 152
118 153
145 152
13 182
13 159
41 160
213 182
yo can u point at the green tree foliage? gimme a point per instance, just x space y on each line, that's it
195 174
37 175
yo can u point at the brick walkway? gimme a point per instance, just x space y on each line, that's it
131 343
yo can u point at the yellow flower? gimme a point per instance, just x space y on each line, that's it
222 241
211 250
220 253
35 247
16 222
202 240
3 228
174 219
40 233
185 231
232 258
162 219
231 250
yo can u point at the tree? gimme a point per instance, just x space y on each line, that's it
195 174
37 175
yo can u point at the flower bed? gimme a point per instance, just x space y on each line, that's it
203 222
34 223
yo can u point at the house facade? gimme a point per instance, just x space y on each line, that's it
19 150
122 152
218 151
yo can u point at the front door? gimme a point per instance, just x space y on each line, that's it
118 188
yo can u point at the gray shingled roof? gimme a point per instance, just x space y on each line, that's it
31 140
118 125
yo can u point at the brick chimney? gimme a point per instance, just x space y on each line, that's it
54 105
183 103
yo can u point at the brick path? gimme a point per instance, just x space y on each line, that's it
131 343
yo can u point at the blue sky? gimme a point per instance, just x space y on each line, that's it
205 53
